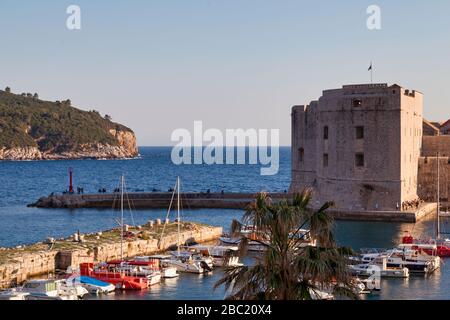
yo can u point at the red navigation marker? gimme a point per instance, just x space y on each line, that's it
70 180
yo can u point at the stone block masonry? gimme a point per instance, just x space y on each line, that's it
358 146
432 145
427 188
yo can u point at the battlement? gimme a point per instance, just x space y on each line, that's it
365 86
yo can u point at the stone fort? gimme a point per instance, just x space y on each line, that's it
368 147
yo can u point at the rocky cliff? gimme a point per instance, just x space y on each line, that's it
33 129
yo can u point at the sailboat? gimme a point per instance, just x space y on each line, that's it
185 261
121 273
442 245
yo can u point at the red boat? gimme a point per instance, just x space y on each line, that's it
443 247
119 279
152 263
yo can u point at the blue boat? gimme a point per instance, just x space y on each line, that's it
95 286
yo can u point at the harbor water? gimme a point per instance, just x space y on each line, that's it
22 183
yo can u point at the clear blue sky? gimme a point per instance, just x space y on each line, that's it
159 65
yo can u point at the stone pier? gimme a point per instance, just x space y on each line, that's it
41 259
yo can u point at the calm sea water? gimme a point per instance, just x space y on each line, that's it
24 182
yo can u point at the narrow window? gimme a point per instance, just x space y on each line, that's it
357 103
325 159
359 159
325 133
359 132
301 154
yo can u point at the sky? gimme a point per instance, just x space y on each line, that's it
156 66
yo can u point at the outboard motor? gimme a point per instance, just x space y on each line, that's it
205 266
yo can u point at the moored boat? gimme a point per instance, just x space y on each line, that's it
110 274
167 272
13 294
49 289
404 257
95 286
378 267
223 256
149 269
442 245
190 262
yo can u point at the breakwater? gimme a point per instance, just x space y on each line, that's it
152 200
219 201
43 259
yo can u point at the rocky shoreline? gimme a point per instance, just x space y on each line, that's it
98 151
125 149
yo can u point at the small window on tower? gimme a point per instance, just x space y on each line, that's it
360 132
357 103
359 159
301 154
325 133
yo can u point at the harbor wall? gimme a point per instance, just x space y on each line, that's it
152 200
385 216
237 201
44 263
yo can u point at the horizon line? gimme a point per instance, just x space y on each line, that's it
222 146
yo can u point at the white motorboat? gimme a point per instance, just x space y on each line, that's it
13 294
69 286
185 264
368 270
167 272
223 256
403 257
49 290
379 267
186 261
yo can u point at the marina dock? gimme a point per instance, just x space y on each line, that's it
42 259
203 200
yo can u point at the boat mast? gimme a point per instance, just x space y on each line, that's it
178 213
438 227
121 217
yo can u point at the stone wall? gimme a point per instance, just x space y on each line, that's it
28 265
44 263
427 188
432 145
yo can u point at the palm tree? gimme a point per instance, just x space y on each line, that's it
289 269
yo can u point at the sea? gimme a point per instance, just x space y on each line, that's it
23 182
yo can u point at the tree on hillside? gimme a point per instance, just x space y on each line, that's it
108 117
29 95
288 268
36 96
8 90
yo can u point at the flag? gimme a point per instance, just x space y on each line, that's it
370 68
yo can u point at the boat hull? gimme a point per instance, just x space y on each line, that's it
119 280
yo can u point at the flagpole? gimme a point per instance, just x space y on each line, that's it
371 72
